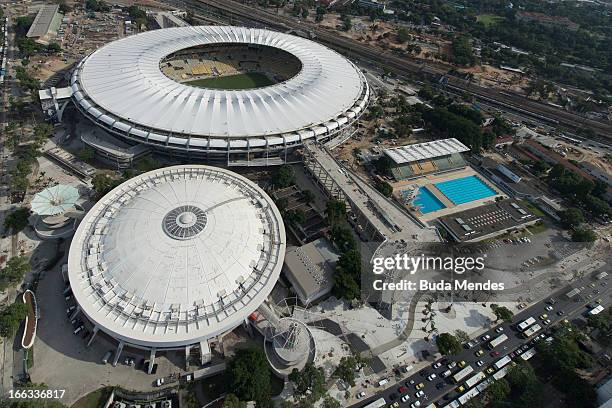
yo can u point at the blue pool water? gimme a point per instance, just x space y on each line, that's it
427 202
465 189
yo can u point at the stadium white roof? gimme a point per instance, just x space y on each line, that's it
424 151
121 84
176 256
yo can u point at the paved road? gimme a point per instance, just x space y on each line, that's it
571 308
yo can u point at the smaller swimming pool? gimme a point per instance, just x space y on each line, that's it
465 189
427 202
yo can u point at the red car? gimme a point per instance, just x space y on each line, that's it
403 389
494 353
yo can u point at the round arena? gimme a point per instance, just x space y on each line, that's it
219 92
175 258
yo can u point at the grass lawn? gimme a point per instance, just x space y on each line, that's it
240 81
95 399
489 19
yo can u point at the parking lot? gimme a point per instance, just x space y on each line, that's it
82 370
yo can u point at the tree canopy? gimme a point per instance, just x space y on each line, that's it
502 313
14 271
11 317
448 344
309 381
248 375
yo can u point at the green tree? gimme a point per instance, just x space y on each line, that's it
86 153
330 402
448 344
14 271
310 380
54 48
502 312
17 220
11 317
248 375
385 188
346 370
499 390
583 235
342 236
462 336
232 401
571 218
336 212
102 184
284 176
403 35
308 196
462 51
347 23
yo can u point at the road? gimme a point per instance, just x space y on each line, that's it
571 309
401 64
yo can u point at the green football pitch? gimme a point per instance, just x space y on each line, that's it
239 81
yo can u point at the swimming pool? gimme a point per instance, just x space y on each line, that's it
466 189
427 202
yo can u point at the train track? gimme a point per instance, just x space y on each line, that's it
403 65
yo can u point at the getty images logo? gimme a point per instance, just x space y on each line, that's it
412 264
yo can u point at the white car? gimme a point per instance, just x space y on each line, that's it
549 308
419 394
361 395
159 382
499 329
486 337
480 363
405 398
546 322
415 404
437 365
432 377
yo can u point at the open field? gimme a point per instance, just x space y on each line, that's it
489 19
240 81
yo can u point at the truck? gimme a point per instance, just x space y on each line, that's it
497 341
462 374
522 326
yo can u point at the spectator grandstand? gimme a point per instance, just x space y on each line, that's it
416 160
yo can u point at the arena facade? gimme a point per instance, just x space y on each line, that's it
235 94
175 258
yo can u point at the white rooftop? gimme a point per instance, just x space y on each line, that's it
122 82
176 256
424 151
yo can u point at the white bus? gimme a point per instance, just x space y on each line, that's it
528 354
532 330
497 341
525 324
475 379
596 310
501 373
462 374
379 403
468 396
453 404
502 362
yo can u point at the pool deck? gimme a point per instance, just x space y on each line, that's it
451 208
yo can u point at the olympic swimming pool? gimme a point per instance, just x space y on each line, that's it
466 189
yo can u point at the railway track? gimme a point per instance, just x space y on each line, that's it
403 65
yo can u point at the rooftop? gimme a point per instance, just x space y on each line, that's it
43 21
424 151
176 255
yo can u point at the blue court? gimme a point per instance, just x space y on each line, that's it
427 202
466 189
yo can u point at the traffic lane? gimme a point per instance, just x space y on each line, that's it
513 342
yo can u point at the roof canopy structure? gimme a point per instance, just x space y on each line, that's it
55 200
122 88
176 256
424 151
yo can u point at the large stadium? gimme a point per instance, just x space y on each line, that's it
175 258
219 92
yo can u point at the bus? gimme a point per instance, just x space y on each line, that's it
463 373
379 403
475 379
596 310
468 396
484 385
501 373
502 362
532 330
525 324
453 404
528 354
497 341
